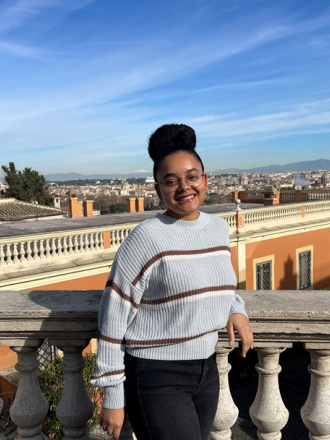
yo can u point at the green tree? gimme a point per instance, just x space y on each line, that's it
26 185
117 208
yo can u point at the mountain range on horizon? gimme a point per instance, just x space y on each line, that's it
319 164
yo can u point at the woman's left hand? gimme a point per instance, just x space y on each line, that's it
239 323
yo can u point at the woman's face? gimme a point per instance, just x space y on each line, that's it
184 202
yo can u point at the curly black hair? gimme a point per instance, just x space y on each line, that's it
171 138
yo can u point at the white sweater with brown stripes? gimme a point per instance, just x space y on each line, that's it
170 289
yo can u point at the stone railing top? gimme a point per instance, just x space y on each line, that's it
282 315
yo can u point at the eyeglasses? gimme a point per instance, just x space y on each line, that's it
171 184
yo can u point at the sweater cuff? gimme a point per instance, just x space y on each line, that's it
237 306
114 397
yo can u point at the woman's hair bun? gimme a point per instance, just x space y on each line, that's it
170 138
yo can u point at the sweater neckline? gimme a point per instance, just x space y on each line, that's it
200 223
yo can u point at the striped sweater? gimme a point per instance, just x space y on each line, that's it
170 289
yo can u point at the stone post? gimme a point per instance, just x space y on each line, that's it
227 411
29 407
75 407
316 411
240 224
268 412
131 207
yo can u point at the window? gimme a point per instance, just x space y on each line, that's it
305 279
264 275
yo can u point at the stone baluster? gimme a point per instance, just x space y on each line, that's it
76 244
91 242
96 241
114 238
101 244
47 249
75 407
65 247
15 254
70 246
268 412
2 255
28 251
22 258
227 411
35 251
29 407
53 248
316 411
80 243
42 250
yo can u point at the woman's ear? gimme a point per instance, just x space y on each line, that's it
205 180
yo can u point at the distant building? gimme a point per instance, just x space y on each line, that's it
150 180
243 179
12 210
325 179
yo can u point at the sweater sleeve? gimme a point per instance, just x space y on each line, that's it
237 306
118 308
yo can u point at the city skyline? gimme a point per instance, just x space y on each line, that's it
84 83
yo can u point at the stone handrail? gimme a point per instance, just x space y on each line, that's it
69 320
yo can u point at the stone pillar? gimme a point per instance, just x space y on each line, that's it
75 407
131 204
316 411
139 204
240 224
106 240
242 196
29 407
227 411
297 196
268 412
234 196
75 208
88 208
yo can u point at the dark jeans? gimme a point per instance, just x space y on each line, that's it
171 400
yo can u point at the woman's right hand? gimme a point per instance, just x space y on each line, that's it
112 420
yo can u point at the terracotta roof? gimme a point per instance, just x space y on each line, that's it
11 209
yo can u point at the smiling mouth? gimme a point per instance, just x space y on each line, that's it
187 198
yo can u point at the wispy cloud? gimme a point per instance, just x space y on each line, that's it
13 16
20 51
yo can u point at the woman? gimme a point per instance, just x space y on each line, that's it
170 289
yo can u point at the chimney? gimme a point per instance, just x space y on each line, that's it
56 201
131 207
88 208
139 204
75 206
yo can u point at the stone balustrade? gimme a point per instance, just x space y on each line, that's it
30 251
314 194
69 320
23 252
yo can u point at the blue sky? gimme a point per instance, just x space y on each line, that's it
83 83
